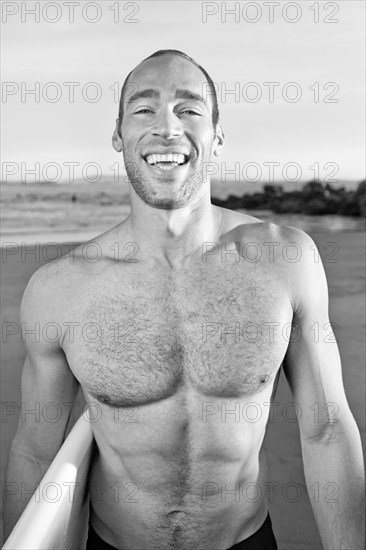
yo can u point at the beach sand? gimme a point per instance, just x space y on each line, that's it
292 518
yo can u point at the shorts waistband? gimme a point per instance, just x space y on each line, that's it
263 539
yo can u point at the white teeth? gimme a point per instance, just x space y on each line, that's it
170 157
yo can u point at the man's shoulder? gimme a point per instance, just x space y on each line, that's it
54 281
246 226
79 259
51 275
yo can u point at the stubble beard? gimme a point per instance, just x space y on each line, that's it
144 188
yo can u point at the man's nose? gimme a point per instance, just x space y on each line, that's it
167 125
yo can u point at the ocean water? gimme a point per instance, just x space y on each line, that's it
310 224
78 212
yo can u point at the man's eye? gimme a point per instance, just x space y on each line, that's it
190 112
142 111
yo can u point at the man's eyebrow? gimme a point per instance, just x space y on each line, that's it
149 93
187 94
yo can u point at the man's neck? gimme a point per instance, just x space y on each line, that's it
171 236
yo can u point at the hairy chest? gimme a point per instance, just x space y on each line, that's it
223 332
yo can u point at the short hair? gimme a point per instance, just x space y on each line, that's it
178 53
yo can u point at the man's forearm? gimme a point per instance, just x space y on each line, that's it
336 484
24 474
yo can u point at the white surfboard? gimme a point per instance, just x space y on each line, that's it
57 515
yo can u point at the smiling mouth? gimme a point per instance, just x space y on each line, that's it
167 161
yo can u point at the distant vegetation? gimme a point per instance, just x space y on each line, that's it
315 198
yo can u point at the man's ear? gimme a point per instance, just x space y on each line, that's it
219 140
116 138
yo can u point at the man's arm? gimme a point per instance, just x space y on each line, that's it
46 379
330 440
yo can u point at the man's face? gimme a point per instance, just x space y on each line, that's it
167 131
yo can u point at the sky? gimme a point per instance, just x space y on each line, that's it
297 69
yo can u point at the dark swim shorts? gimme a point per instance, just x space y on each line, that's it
263 539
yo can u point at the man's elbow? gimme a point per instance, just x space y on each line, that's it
324 436
19 452
330 433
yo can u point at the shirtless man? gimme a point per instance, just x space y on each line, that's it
189 322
